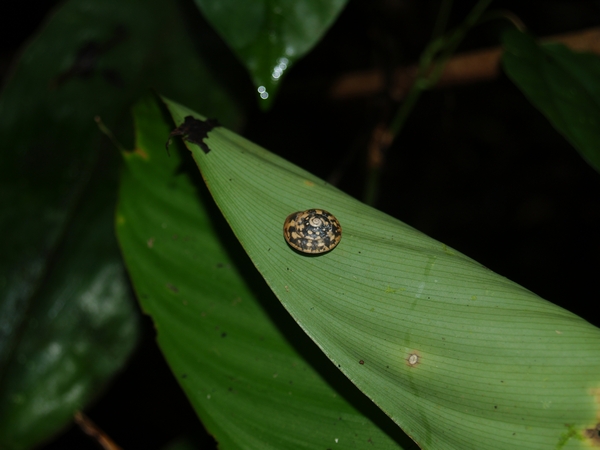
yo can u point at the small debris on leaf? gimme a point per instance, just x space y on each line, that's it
194 131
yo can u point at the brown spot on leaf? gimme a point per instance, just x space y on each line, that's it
593 434
413 359
141 152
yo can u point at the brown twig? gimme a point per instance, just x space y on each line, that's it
465 68
92 430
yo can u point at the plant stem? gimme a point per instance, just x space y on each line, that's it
442 19
433 61
431 66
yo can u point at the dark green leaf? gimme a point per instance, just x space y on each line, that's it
270 36
90 59
562 84
79 328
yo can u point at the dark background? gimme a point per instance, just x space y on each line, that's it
476 167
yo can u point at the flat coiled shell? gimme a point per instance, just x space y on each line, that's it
312 231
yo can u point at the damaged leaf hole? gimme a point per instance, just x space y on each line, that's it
194 131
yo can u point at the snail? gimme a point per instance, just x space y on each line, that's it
312 231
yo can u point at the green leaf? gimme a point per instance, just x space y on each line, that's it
90 59
270 36
458 356
255 379
79 329
562 84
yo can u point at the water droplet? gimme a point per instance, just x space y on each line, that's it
282 64
262 91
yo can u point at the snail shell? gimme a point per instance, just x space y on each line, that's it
312 231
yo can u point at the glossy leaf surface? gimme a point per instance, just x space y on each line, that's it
270 36
78 331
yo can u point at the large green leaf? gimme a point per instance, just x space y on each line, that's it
77 332
458 356
270 36
562 84
67 322
254 378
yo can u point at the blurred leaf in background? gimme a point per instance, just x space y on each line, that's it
564 85
270 36
67 320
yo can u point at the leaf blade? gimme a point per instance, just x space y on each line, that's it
253 377
489 353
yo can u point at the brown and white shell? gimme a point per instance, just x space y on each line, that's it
312 231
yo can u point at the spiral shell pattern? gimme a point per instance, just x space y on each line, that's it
312 231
